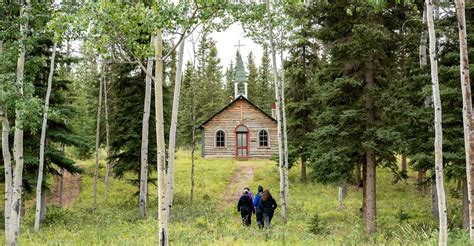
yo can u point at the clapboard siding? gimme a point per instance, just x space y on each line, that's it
239 112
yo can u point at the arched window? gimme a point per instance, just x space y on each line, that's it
263 138
220 138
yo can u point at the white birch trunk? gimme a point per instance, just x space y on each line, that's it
342 189
43 206
160 142
7 160
423 59
174 124
15 213
144 149
97 137
193 143
467 102
278 112
39 184
285 134
107 132
443 226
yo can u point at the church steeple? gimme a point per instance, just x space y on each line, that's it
240 77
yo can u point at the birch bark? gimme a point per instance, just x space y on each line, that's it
97 137
144 150
174 124
7 160
15 213
107 131
443 228
467 103
39 184
160 141
285 135
278 113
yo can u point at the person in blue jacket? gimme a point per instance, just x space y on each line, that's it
258 212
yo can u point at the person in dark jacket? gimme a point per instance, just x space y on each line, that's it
245 207
258 212
267 205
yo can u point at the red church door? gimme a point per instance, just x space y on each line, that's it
242 142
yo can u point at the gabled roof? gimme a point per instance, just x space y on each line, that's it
228 105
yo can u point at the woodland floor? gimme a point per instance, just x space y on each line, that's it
242 177
314 217
71 188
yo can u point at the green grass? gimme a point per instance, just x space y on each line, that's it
403 215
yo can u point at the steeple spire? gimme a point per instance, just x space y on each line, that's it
240 76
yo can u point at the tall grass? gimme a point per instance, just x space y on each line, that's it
403 217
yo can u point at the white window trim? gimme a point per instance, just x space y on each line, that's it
268 138
215 139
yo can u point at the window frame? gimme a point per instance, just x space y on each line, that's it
268 138
224 141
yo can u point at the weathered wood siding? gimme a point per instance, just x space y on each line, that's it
239 112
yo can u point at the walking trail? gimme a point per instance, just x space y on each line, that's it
71 189
241 178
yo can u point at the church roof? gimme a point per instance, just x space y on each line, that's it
240 75
228 105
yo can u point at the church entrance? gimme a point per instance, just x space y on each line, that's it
242 143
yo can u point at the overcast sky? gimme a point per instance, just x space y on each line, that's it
226 43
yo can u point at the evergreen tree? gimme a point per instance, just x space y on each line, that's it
267 95
229 81
253 87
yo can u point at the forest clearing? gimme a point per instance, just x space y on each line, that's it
404 216
180 122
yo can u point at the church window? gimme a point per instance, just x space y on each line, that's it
220 138
263 138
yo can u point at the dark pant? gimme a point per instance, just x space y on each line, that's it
246 217
268 219
260 220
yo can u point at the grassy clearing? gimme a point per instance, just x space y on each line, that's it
313 215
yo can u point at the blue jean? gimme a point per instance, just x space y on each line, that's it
267 220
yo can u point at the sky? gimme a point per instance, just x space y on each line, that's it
226 43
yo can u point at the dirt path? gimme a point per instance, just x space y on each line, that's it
71 188
239 180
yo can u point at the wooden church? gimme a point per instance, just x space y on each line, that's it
240 130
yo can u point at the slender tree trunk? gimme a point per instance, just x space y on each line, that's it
16 201
107 131
434 200
144 150
43 206
39 184
465 205
193 143
342 190
423 41
421 182
370 178
443 225
278 103
404 165
7 160
160 142
174 125
285 135
97 137
303 169
61 183
467 104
